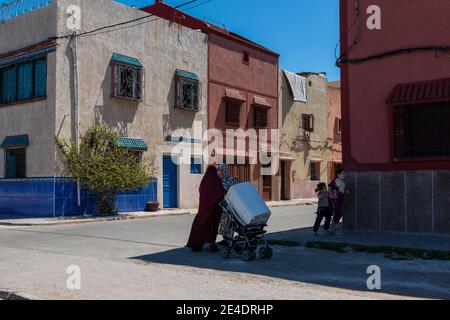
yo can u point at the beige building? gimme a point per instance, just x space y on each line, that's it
147 80
306 146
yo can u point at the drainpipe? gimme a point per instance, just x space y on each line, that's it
73 46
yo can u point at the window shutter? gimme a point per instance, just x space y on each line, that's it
24 79
40 78
9 84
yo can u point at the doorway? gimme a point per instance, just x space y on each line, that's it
170 183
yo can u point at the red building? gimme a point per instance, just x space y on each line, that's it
242 88
395 66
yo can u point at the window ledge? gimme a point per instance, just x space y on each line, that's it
27 101
422 159
127 99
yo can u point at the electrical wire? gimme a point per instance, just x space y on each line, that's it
382 55
124 23
396 52
355 41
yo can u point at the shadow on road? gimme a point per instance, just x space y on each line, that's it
327 268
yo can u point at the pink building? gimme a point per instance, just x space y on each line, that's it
334 128
396 110
242 88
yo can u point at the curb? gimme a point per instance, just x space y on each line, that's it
135 216
91 220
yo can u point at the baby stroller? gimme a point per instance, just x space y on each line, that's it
245 216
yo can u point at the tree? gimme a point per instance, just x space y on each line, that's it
103 167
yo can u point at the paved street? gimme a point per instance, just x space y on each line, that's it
145 259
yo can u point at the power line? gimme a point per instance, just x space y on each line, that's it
144 22
382 55
355 41
124 23
197 5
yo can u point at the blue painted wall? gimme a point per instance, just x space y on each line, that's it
57 197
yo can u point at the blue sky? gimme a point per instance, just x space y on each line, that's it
304 32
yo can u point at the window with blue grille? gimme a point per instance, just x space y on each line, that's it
23 80
196 165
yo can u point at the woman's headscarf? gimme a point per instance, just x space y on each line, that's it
227 180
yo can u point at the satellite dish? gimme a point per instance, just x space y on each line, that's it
73 14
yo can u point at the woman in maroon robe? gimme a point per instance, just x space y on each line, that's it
206 224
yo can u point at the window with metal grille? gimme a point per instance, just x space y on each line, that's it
422 130
261 119
15 167
127 81
314 171
188 94
233 111
23 81
308 122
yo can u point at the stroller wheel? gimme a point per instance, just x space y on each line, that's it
225 252
248 255
266 252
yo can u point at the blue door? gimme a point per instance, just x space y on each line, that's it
170 183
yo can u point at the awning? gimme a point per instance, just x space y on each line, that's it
186 74
235 95
116 57
260 101
14 142
27 56
421 92
134 144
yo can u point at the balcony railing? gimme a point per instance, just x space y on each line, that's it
15 8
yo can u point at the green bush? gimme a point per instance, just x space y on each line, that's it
103 167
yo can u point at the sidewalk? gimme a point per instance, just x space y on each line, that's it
27 222
369 239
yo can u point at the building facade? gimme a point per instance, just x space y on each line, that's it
243 91
395 94
335 126
309 144
148 82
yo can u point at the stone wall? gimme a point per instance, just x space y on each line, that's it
406 201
